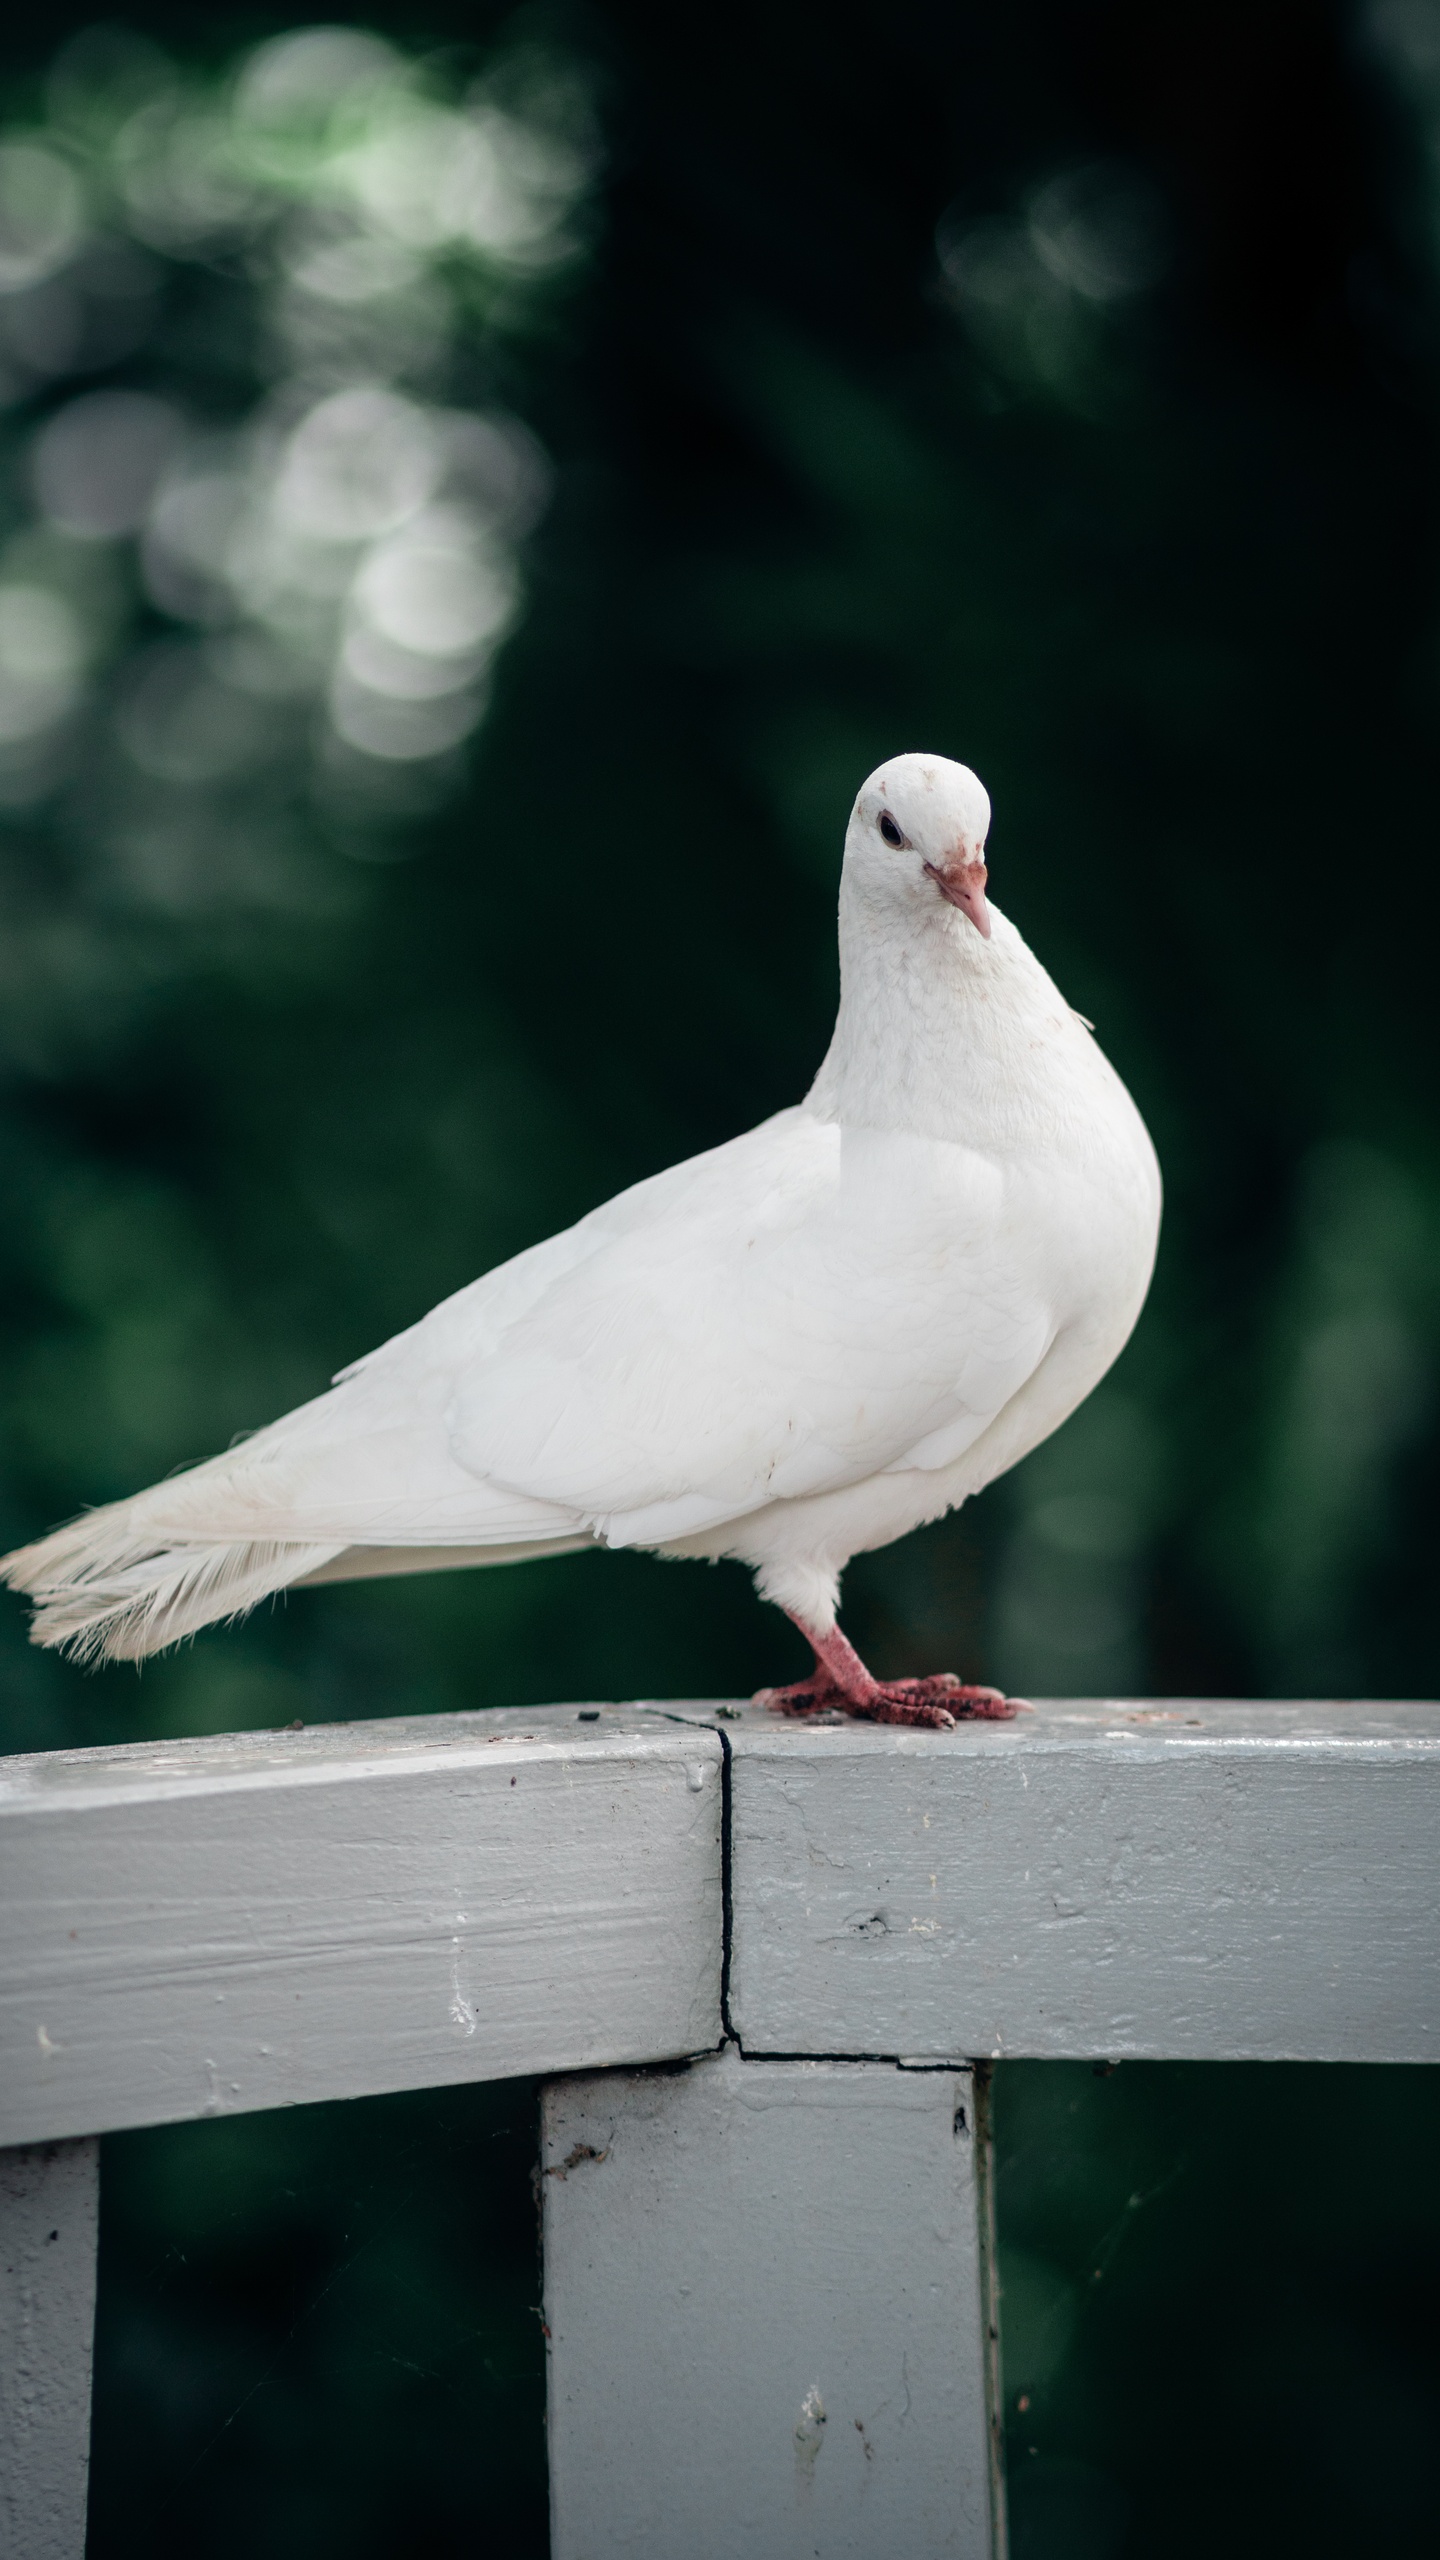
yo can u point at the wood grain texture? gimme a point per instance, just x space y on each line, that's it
192 1928
49 2225
763 2299
1184 1879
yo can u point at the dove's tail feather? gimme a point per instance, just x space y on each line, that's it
107 1589
127 1580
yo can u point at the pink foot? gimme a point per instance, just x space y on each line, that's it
939 1701
840 1683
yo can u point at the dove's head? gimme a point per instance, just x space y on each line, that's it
917 832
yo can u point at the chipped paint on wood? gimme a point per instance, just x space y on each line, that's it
191 1929
764 2314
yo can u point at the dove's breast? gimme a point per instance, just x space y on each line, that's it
1083 1201
1024 1259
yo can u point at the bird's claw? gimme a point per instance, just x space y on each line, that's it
940 1702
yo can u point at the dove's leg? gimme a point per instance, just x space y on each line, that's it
841 1681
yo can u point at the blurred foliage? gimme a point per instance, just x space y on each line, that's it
1055 387
258 515
1219 2308
317 2334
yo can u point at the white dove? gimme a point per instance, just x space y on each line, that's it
789 1350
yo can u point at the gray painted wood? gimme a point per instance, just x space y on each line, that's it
763 2299
188 1928
1099 1878
192 1928
49 2218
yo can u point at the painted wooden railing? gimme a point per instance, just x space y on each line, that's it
772 2324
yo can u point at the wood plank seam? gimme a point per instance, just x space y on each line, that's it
730 2036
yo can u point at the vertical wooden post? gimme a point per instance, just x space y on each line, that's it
765 2304
49 2224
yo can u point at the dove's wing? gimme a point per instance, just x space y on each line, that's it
791 1313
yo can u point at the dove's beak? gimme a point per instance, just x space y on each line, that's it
963 883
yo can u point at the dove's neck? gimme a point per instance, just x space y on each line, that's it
944 1035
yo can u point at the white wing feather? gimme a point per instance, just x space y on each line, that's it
731 1339
718 1338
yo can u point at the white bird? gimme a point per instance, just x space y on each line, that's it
790 1350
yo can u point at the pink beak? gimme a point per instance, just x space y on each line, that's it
963 883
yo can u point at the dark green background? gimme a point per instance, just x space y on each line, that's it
1178 607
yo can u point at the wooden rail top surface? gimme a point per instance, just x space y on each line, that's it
258 1919
276 1753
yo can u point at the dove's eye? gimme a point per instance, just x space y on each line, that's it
889 830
